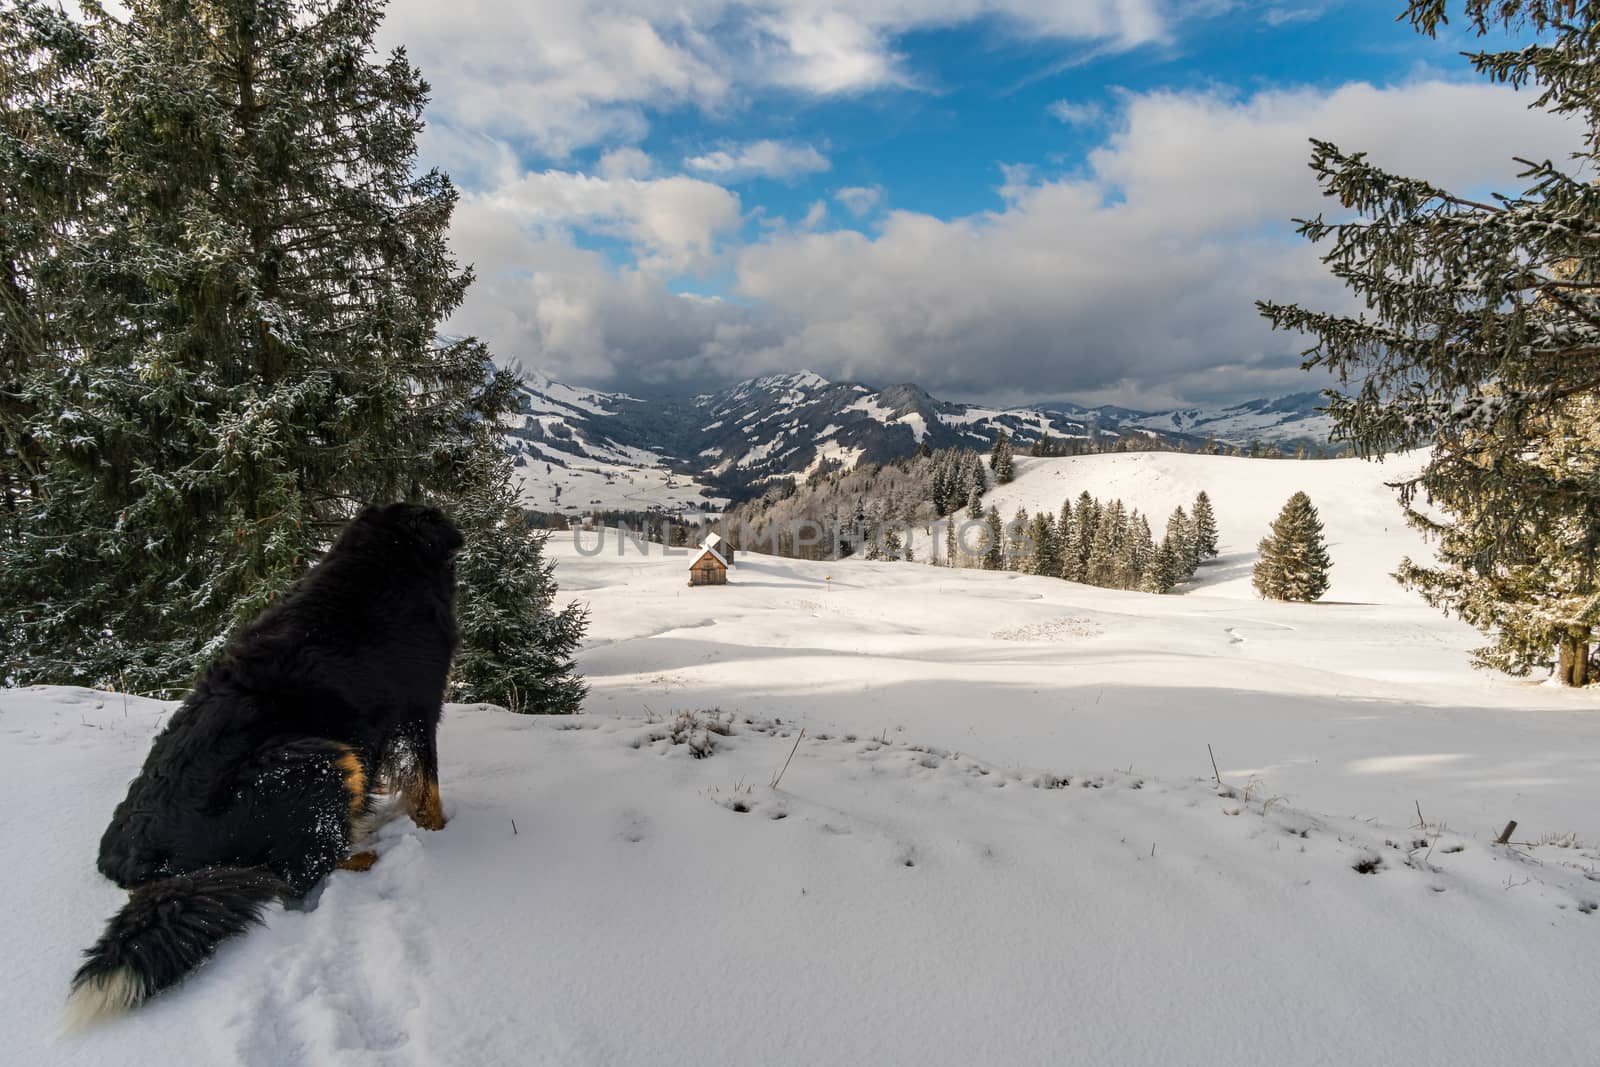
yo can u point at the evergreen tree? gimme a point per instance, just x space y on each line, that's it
1068 566
1204 520
994 558
975 503
1002 463
1477 340
1294 559
1162 573
1001 443
1017 548
1109 536
516 648
1045 553
1544 597
222 338
952 550
43 123
1180 531
1124 572
1141 547
939 488
1086 522
1191 547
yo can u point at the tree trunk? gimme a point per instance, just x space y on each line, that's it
1573 668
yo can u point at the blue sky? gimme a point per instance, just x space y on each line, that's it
999 199
984 96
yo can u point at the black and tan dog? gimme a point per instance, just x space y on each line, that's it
261 783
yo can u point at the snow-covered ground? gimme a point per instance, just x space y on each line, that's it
602 484
999 838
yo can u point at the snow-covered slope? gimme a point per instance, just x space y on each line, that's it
1366 531
578 451
999 838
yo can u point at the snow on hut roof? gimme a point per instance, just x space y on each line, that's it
710 545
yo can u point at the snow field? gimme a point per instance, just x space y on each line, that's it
1000 837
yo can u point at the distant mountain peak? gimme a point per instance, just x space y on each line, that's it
802 379
573 443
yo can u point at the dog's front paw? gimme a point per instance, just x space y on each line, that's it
429 820
359 861
428 812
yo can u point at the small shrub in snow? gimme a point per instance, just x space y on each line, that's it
699 730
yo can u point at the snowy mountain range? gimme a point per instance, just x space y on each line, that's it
578 449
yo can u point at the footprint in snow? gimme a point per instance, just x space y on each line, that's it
316 991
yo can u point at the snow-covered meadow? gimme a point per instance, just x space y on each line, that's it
999 838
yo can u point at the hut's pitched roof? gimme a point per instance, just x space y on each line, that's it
712 545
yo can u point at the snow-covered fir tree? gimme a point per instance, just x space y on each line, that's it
1086 522
1477 339
1110 532
1003 470
1044 553
516 648
1204 521
1544 596
1001 442
1017 551
1141 547
1162 572
975 503
1180 532
994 551
223 338
1068 565
1294 559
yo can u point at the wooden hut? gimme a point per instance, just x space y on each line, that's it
710 567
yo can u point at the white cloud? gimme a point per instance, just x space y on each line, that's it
672 224
1285 16
562 75
816 215
559 75
542 301
1132 277
1139 274
625 162
827 52
1076 114
760 159
859 199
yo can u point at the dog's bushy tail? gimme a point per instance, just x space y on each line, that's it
167 929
